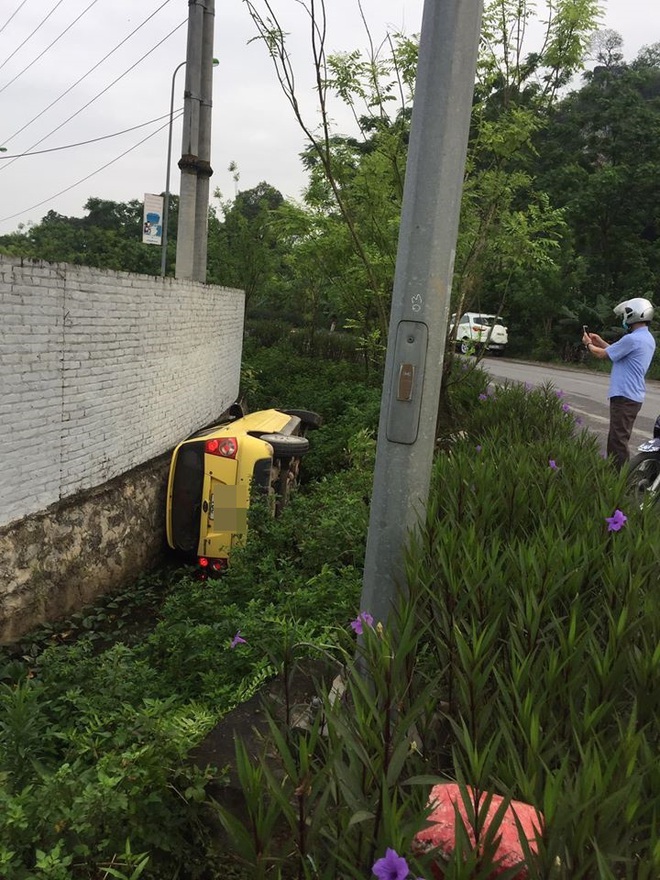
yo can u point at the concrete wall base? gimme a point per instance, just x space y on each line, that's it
57 561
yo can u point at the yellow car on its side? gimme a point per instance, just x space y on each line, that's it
214 473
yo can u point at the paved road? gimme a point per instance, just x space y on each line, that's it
585 391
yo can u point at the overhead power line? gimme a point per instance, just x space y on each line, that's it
104 137
13 15
96 97
5 140
87 177
50 46
29 37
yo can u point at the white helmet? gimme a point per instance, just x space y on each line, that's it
635 310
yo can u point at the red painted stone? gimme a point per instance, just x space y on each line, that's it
441 833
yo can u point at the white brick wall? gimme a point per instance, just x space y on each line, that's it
101 371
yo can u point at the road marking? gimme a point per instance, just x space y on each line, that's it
636 433
589 415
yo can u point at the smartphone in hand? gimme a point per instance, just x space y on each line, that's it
585 330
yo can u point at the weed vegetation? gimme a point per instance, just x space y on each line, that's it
523 659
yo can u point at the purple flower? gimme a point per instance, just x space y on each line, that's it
478 447
616 522
391 867
566 408
553 464
483 397
559 393
237 640
363 617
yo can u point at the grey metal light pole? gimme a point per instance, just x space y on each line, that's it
166 205
422 287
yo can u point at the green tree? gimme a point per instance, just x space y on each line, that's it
600 158
377 90
245 248
108 237
510 231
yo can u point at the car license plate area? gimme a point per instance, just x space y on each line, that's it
227 509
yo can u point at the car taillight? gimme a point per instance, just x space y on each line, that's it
211 566
225 447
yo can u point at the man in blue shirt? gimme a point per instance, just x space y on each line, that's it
631 357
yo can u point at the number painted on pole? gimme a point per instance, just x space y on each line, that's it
417 302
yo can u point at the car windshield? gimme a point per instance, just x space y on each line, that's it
485 320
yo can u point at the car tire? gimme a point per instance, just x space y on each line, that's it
643 471
464 346
286 445
307 418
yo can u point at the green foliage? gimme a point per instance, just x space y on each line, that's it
523 662
109 237
515 253
544 627
342 787
598 158
97 771
246 249
347 406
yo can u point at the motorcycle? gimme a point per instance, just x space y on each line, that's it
644 469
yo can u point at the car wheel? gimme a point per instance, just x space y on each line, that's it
307 418
643 472
286 445
287 478
465 346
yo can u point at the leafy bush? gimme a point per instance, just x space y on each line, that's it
325 800
525 662
545 627
98 774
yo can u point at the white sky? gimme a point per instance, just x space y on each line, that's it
252 122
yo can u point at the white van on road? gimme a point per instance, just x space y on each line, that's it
476 330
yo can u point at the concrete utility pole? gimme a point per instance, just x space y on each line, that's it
195 162
444 90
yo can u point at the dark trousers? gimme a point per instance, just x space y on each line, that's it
623 413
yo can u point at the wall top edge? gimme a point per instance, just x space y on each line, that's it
11 261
